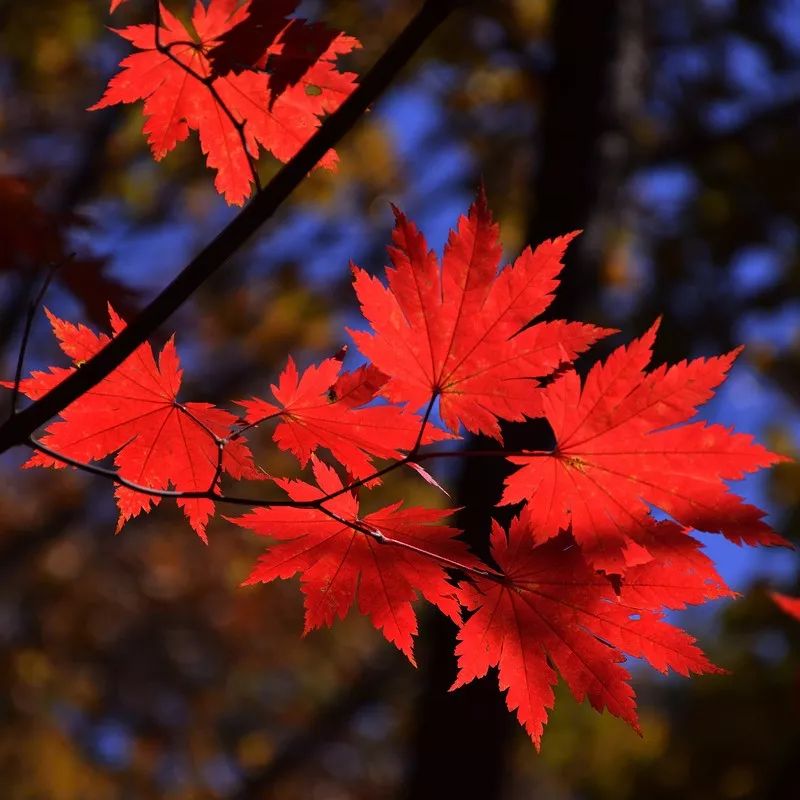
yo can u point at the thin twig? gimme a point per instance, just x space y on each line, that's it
211 494
26 333
199 494
318 503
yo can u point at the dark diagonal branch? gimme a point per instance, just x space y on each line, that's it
19 428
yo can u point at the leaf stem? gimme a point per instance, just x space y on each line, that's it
426 416
237 434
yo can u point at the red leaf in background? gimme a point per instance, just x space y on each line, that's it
177 99
34 238
134 413
337 562
553 614
620 449
309 419
791 605
115 4
459 331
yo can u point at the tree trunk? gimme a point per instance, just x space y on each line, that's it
461 742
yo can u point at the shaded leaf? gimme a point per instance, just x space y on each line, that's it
181 92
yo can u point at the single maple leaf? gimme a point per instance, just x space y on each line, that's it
791 605
620 449
134 413
310 419
459 332
180 90
553 614
336 562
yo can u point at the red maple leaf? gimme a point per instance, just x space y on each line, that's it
619 450
791 605
115 4
336 561
552 613
134 413
310 418
459 332
357 387
181 89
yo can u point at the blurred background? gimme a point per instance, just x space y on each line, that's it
133 666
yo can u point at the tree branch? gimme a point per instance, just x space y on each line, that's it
19 428
260 502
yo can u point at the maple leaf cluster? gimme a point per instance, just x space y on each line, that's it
245 78
582 577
